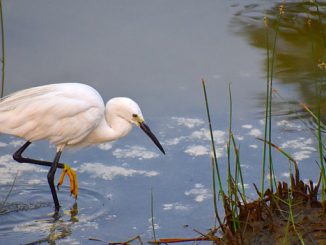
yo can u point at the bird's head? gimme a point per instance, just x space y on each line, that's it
129 110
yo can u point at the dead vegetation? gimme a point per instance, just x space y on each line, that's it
268 220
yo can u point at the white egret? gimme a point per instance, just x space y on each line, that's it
68 115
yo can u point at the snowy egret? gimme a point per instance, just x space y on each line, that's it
68 115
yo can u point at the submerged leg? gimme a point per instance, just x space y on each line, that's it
19 158
51 174
53 167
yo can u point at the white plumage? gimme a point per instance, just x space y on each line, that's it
67 114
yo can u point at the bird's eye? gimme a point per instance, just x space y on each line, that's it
134 115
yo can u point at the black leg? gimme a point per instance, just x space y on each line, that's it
19 158
53 167
51 174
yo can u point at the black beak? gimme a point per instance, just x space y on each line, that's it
147 131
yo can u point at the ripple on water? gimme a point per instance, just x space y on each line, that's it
28 215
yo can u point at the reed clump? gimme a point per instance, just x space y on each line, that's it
290 215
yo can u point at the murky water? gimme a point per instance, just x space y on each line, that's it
156 52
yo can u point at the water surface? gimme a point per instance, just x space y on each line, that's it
156 52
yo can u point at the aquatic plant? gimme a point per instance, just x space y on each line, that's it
3 203
152 215
3 60
270 63
215 167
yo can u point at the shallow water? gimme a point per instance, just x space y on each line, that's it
155 52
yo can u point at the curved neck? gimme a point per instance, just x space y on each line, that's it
117 128
111 130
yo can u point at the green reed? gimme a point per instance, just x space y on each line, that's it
152 215
284 153
271 77
318 135
3 59
270 57
212 141
215 168
266 109
320 141
231 142
217 216
233 181
319 123
8 194
317 116
228 145
238 171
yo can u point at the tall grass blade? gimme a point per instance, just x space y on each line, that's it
270 96
285 154
233 184
312 114
238 170
228 146
320 143
11 187
152 215
215 196
213 142
268 105
266 109
3 60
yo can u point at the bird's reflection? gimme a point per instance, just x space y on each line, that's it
59 227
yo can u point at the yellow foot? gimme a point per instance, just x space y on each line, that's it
73 180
